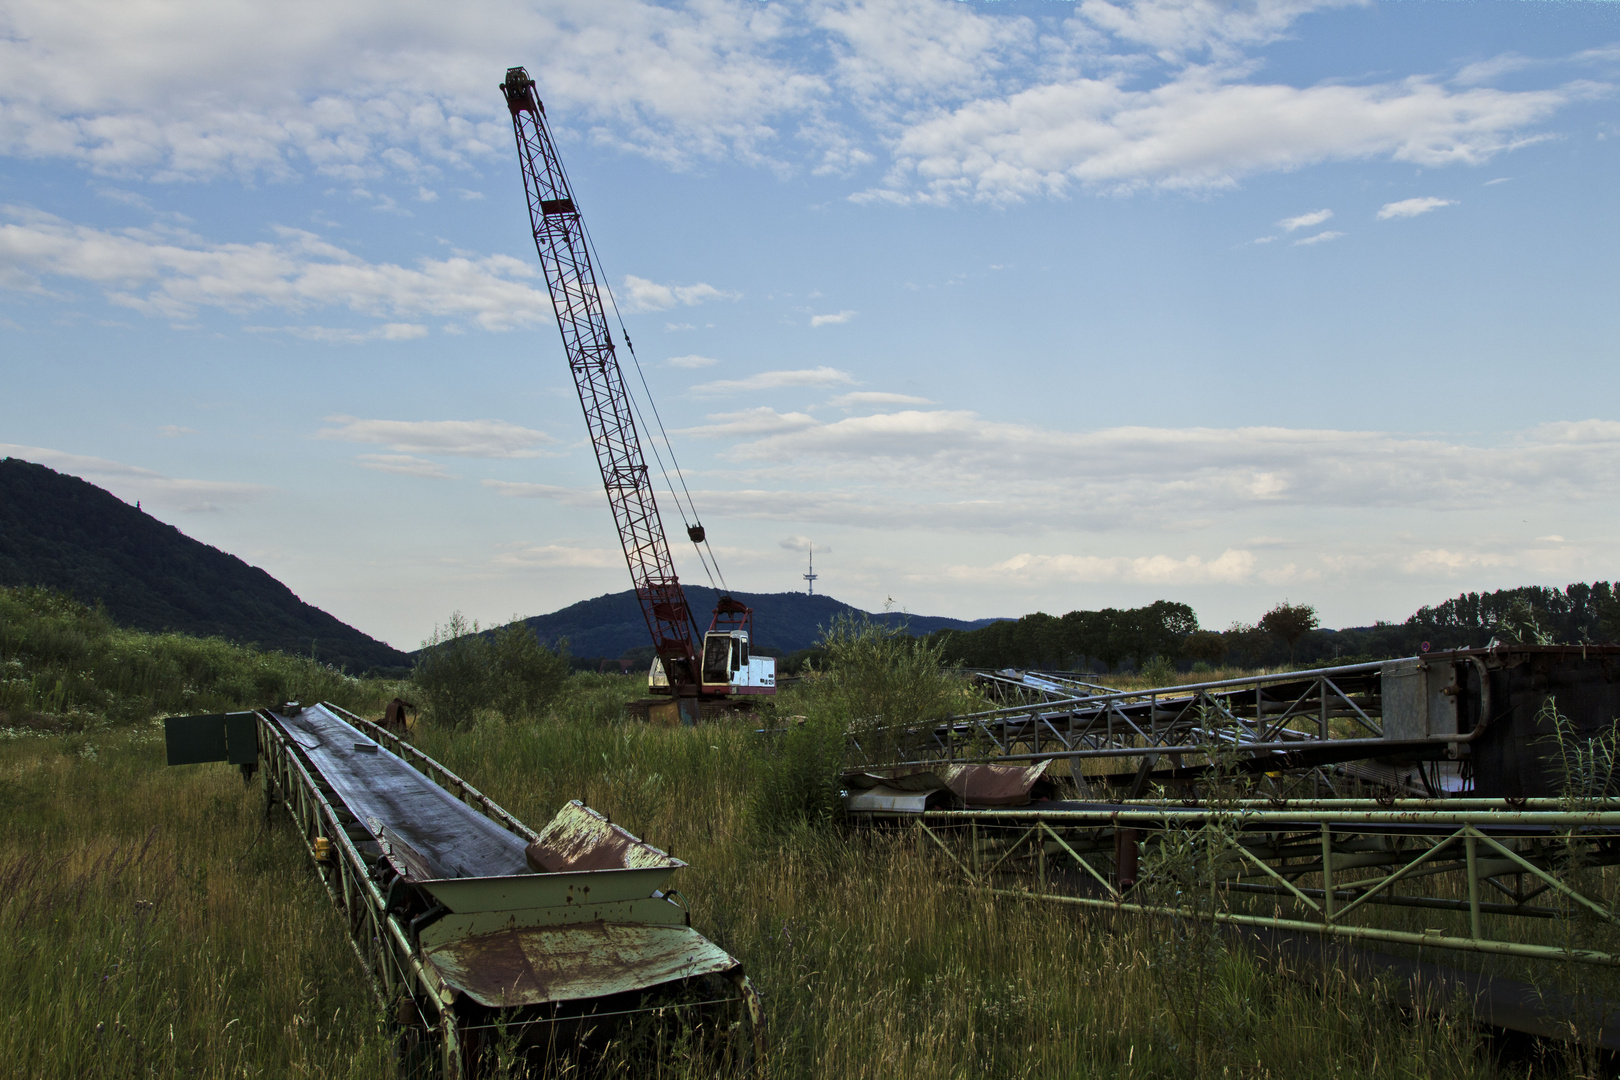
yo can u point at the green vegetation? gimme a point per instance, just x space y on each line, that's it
1287 634
67 667
154 928
461 673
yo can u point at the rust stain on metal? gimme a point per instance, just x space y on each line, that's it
972 785
579 838
994 785
571 963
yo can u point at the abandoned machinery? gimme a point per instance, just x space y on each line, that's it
1204 802
473 929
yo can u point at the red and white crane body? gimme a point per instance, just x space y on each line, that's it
723 667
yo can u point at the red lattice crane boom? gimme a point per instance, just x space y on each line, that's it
560 239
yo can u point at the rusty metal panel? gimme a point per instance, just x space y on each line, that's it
517 892
993 785
573 963
579 838
658 910
1419 698
970 785
880 798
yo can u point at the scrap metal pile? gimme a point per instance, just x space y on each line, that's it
1204 801
1465 722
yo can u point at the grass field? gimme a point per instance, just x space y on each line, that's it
152 927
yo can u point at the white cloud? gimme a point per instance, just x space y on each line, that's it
859 398
1304 221
905 50
693 361
133 483
458 438
557 557
774 380
171 274
566 496
1176 28
1412 207
960 471
1484 71
803 543
1230 567
833 319
644 295
1319 238
967 102
195 89
1197 131
345 336
761 420
1449 563
405 465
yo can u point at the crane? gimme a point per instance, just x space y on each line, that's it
723 668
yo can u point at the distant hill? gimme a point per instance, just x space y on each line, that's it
612 625
67 534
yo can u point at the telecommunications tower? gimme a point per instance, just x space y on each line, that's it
812 575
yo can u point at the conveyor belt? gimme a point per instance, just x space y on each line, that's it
378 786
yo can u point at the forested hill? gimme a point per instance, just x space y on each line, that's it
65 533
612 625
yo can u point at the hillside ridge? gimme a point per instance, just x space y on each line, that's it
65 533
611 625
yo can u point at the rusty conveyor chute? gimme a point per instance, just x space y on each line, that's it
472 927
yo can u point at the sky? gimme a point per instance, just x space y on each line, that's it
1005 307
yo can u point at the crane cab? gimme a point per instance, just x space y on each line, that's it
728 668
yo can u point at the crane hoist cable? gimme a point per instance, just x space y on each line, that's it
711 564
663 436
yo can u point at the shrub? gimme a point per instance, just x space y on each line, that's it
462 672
452 672
526 676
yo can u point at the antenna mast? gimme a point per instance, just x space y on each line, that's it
812 575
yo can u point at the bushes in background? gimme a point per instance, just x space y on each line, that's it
462 672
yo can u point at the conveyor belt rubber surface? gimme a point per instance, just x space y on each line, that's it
378 786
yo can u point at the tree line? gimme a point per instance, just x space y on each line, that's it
1289 633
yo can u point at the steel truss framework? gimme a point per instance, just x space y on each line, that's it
1290 726
1268 714
1497 874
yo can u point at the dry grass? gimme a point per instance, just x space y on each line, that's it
149 930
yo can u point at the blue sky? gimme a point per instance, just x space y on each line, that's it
1005 306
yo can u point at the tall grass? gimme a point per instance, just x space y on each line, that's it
149 928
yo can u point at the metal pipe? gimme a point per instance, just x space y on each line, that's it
1366 933
1163 816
